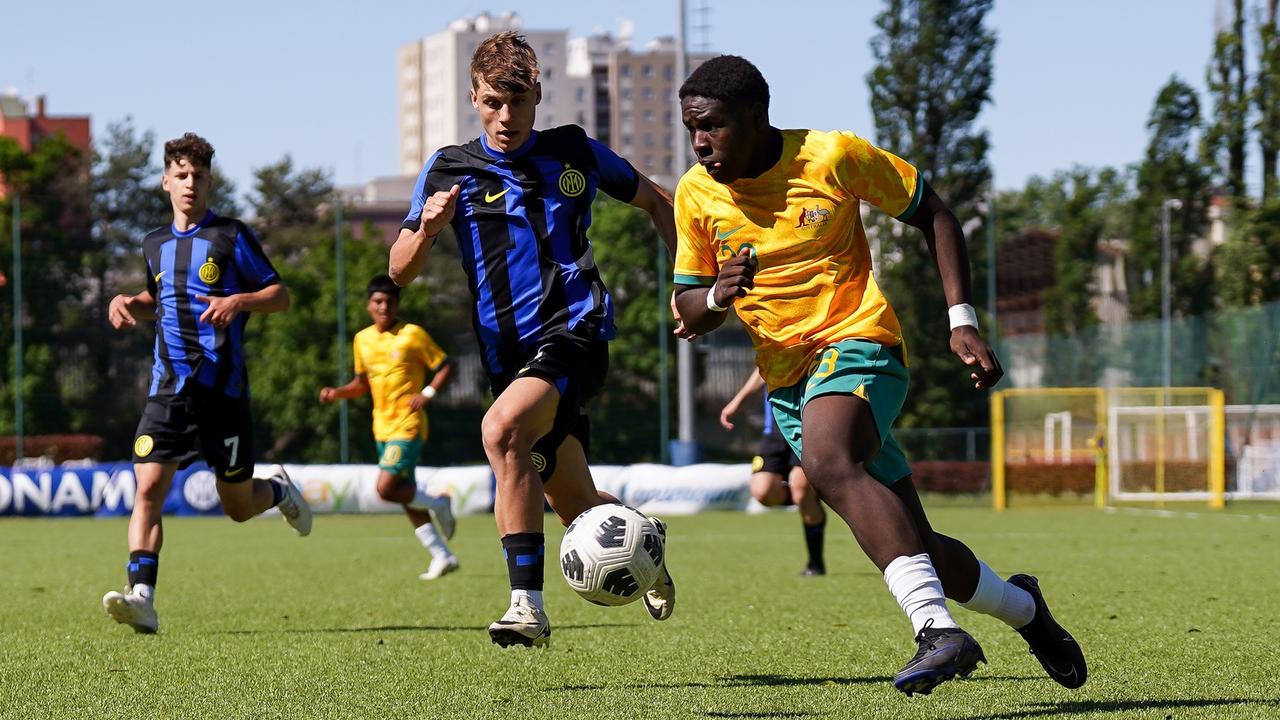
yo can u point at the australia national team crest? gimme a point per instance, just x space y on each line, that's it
209 272
572 182
815 216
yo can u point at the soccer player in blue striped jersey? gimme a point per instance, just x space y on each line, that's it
519 204
205 274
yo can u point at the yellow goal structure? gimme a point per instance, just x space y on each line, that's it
1116 444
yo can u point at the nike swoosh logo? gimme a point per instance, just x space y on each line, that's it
727 233
490 198
233 473
159 275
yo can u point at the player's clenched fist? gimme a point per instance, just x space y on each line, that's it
437 211
736 277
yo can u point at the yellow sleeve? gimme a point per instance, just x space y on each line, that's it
877 176
356 356
695 250
433 357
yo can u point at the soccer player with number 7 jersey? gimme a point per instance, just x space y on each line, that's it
205 274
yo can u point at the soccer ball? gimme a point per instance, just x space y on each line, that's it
611 554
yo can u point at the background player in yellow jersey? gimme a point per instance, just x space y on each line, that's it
776 475
768 223
392 359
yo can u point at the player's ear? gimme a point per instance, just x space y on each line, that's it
475 101
537 92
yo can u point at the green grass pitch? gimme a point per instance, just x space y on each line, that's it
1177 615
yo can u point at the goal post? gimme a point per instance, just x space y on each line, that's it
1115 444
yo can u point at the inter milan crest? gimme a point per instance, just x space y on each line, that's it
572 182
209 272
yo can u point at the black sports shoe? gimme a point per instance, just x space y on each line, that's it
1057 651
943 654
811 570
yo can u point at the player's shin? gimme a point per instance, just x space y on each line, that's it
1001 600
915 585
524 553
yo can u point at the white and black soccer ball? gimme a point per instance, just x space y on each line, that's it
611 554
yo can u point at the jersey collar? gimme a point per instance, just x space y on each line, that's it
208 217
524 147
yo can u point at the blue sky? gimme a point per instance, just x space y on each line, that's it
1074 79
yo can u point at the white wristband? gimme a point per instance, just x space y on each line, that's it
961 315
428 392
711 300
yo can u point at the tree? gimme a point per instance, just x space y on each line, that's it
932 77
1168 171
1266 99
625 423
1223 145
50 181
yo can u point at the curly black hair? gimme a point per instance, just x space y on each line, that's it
382 284
191 147
728 78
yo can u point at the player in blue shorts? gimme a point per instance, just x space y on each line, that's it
205 274
777 477
518 201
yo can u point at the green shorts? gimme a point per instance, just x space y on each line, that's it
867 369
399 457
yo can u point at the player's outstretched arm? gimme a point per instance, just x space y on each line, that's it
654 200
945 238
411 248
358 386
703 309
754 382
125 311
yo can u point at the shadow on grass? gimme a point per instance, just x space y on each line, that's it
1080 707
399 628
760 714
768 680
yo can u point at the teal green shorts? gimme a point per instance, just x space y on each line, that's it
399 457
867 369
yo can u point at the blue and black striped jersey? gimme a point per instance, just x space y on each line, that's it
218 257
521 226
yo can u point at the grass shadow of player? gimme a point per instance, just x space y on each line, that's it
1075 708
767 680
399 628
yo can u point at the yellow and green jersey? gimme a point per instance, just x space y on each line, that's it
801 220
396 363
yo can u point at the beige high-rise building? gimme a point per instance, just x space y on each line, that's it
435 107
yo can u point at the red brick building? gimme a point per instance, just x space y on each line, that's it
17 122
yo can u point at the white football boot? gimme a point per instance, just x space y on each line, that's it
524 624
292 506
440 566
660 600
130 608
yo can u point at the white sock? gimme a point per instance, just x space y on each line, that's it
533 596
424 502
431 540
915 585
144 591
1001 600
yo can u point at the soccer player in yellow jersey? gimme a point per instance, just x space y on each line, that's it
392 359
768 224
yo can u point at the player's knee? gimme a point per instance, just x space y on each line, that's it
499 432
767 489
828 471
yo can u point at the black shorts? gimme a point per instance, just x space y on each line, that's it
774 455
199 422
577 367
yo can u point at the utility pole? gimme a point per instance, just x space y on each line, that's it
685 450
340 259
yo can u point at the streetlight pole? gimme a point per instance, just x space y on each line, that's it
685 450
1166 300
